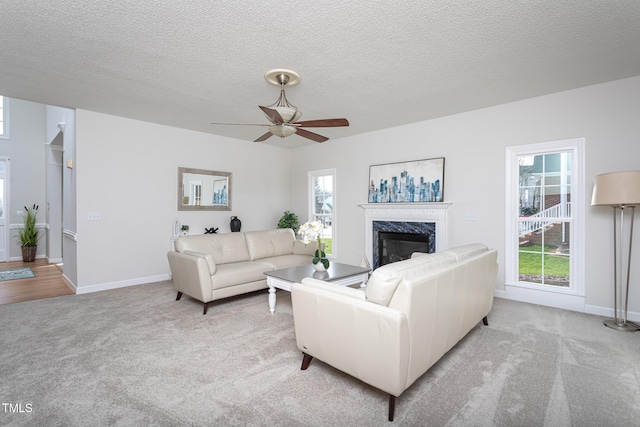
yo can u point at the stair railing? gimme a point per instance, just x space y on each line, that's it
556 211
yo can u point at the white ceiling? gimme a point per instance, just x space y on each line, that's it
378 63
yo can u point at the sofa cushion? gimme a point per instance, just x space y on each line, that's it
466 251
269 243
381 286
286 261
422 265
208 258
237 273
223 248
384 280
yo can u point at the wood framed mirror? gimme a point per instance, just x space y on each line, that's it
203 190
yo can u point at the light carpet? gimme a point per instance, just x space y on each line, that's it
16 273
135 356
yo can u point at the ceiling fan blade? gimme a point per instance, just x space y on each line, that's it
263 137
273 115
310 135
325 123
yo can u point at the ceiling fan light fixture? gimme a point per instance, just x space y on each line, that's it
284 116
288 114
282 78
283 130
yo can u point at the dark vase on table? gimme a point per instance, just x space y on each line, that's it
235 223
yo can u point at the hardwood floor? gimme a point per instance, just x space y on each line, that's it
47 283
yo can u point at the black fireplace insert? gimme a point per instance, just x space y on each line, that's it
397 246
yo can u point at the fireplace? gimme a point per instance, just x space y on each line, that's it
426 219
395 246
400 237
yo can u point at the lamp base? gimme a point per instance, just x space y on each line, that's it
624 327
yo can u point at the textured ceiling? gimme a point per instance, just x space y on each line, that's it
378 63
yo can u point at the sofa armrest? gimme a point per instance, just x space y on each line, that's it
208 258
191 275
365 340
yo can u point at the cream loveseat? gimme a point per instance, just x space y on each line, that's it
208 267
411 313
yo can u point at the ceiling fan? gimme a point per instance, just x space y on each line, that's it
284 116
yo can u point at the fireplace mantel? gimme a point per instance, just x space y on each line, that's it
431 212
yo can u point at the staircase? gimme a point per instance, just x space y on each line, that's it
555 233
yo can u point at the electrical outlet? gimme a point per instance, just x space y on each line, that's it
20 213
94 216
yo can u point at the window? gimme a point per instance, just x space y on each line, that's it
545 210
4 117
195 192
322 197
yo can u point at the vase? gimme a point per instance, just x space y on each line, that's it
29 253
235 223
319 266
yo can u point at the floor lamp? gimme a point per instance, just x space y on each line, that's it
621 191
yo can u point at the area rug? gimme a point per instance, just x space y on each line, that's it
16 273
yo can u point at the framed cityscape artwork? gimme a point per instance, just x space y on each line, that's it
415 181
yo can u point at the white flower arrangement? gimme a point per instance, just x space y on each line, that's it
312 231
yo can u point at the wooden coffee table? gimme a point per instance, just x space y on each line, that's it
340 274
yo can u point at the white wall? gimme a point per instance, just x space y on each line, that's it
27 152
473 145
127 172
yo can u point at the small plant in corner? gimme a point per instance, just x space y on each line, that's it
185 230
289 220
29 234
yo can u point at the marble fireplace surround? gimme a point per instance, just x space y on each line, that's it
429 213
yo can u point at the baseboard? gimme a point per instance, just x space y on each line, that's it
122 284
69 283
49 260
562 301
634 316
549 299
19 258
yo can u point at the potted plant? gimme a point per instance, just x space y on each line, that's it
310 231
184 230
29 235
289 220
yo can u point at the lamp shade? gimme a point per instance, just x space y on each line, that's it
617 189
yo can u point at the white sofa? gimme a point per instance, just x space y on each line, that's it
208 267
411 313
